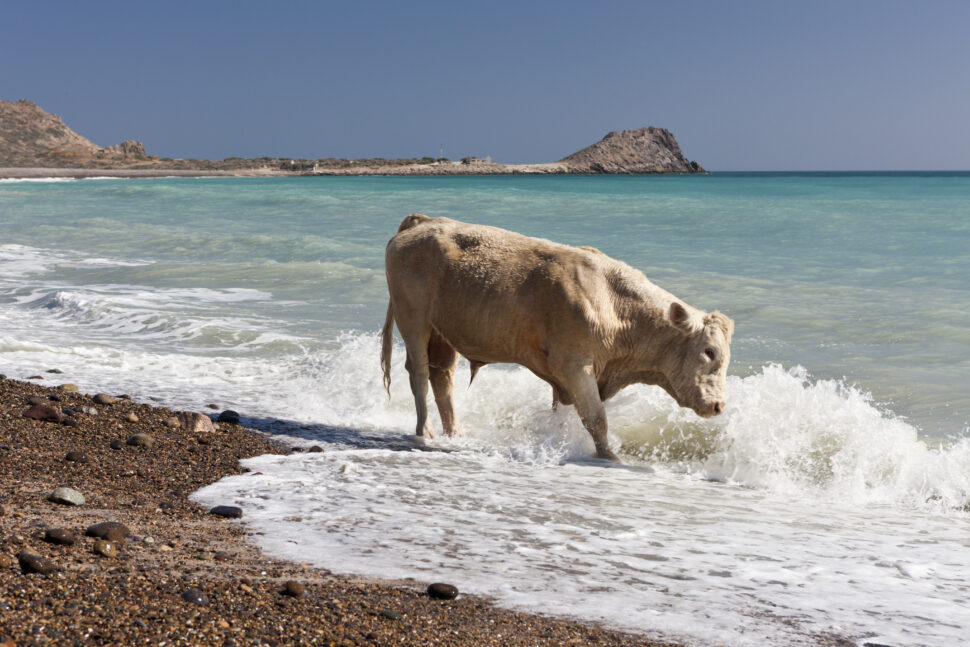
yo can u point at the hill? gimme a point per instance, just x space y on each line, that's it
644 150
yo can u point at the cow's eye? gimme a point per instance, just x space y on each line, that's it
711 355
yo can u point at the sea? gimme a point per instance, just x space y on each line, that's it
830 498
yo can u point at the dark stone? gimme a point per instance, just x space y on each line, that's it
56 371
76 457
69 421
391 614
440 591
30 563
195 596
37 401
116 444
43 412
110 530
227 511
141 440
53 397
103 398
139 623
213 406
67 411
229 416
59 536
316 449
294 589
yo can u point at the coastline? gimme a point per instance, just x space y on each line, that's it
136 596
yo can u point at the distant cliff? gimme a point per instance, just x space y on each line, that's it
644 150
31 138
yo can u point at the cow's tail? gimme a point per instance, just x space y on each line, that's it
387 346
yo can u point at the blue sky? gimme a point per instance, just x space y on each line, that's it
849 85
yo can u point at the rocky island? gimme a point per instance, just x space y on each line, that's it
36 143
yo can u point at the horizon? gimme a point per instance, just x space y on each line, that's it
750 87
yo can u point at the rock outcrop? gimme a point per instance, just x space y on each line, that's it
644 150
31 136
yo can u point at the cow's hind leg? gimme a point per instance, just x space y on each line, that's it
442 361
417 367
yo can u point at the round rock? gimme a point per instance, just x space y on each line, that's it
227 511
76 457
230 416
59 536
294 589
131 417
141 440
30 563
37 401
68 388
103 398
66 496
440 591
105 548
116 444
195 596
316 449
110 530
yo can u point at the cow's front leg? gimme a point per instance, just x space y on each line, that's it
585 395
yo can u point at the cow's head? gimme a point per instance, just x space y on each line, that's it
697 366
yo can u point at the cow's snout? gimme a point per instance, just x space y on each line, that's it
711 410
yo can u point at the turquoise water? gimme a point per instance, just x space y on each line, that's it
830 497
861 277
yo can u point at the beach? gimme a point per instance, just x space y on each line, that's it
136 596
829 498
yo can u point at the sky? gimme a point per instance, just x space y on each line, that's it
743 85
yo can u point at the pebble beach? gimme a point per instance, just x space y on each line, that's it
169 572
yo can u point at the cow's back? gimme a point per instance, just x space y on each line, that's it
495 294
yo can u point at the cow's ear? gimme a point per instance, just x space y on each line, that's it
681 318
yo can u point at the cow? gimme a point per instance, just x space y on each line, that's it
587 324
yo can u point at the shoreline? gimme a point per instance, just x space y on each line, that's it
136 595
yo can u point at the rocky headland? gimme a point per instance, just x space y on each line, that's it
35 143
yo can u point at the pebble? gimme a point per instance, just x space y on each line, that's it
37 401
56 371
30 563
141 440
440 591
105 548
213 406
5 561
103 398
69 388
391 614
131 417
69 421
195 596
59 536
294 589
227 511
76 457
316 449
66 496
110 530
148 541
53 397
192 421
43 412
165 548
91 411
116 444
172 422
230 416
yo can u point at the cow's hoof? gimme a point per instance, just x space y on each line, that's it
608 455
